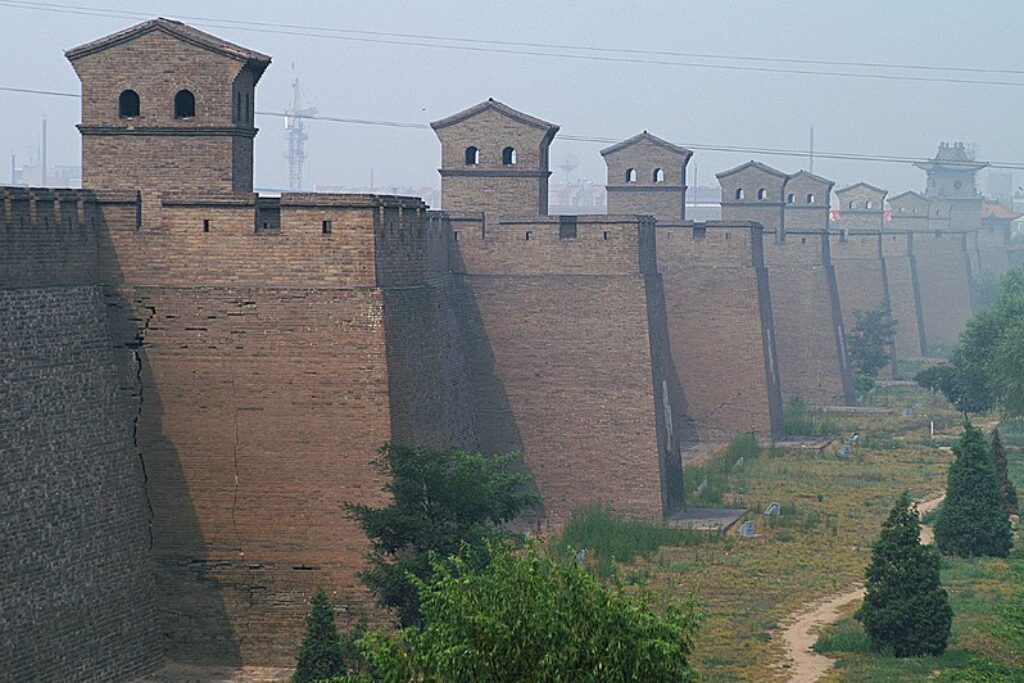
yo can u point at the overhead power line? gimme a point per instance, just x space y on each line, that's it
734 149
597 53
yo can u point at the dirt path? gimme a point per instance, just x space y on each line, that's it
801 634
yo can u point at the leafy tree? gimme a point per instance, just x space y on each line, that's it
1002 474
906 610
441 502
869 341
526 617
986 288
1007 370
320 655
973 519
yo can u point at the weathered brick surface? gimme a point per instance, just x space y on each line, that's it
991 242
904 293
720 327
647 175
77 594
944 275
568 360
810 335
861 276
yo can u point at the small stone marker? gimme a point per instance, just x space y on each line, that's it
844 452
738 463
747 529
581 557
703 485
773 510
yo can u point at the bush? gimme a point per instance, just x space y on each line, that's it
906 610
870 340
525 617
1002 474
609 538
717 470
799 420
441 502
320 654
973 520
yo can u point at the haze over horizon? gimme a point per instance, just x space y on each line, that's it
608 94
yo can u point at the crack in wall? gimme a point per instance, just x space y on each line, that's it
136 350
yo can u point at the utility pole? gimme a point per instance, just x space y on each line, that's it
295 136
811 169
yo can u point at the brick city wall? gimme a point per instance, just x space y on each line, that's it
720 326
861 277
944 277
78 594
904 293
567 360
808 323
991 243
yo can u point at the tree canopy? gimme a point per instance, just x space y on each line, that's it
320 654
906 610
441 502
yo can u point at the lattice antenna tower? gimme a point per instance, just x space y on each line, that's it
295 136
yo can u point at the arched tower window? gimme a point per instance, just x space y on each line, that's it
762 193
128 104
658 176
630 175
739 193
508 156
810 198
472 156
851 205
868 205
184 105
790 198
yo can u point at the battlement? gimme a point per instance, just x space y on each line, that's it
714 243
557 245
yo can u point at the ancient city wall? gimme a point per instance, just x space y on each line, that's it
281 344
77 593
568 359
720 327
991 243
810 336
861 277
904 293
944 276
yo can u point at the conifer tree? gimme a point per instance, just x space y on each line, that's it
1002 474
906 610
320 655
973 519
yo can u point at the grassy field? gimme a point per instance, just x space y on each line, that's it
987 596
831 512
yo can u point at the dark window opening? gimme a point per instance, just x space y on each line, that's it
659 176
567 227
790 198
528 233
762 193
128 104
455 235
184 105
810 199
606 235
842 235
700 232
739 193
630 175
472 156
325 227
508 156
803 240
206 225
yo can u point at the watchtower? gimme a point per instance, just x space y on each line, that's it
753 192
494 160
167 107
951 177
909 211
807 201
647 175
860 207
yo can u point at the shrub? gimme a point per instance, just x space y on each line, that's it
525 617
799 420
869 341
1002 474
906 610
973 519
717 470
441 502
320 654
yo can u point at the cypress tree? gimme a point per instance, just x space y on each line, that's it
1002 474
906 610
320 654
973 520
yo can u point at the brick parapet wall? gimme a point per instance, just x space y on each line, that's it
720 327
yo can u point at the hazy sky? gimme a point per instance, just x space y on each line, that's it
684 104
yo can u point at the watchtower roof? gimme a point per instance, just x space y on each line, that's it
952 156
813 178
653 139
499 107
257 61
753 164
909 194
867 186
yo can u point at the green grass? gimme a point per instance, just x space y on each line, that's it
722 472
609 538
799 420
